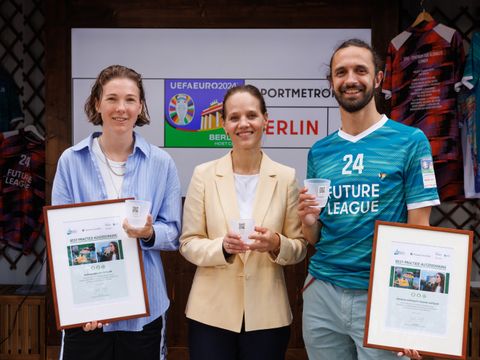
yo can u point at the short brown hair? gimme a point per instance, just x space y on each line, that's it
107 74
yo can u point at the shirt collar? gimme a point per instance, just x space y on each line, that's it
424 26
140 143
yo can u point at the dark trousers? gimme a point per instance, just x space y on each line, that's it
115 345
211 343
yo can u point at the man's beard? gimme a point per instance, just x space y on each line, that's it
352 106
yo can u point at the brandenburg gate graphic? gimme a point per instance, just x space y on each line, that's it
212 116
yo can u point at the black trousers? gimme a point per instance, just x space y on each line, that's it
211 343
115 345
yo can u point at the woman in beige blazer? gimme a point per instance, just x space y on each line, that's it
238 306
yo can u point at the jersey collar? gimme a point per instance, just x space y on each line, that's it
371 129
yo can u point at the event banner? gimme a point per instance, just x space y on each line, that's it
186 73
298 111
193 112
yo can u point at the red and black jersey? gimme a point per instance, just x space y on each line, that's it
423 70
22 190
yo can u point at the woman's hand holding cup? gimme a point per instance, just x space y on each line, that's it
265 240
233 244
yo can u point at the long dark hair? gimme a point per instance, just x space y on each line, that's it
442 283
115 245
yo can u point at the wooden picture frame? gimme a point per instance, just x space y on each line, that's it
419 284
96 270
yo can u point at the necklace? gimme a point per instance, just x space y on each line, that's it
117 191
106 159
113 184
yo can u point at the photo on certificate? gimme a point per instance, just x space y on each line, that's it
96 269
419 284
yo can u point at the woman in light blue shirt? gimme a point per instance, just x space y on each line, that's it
119 163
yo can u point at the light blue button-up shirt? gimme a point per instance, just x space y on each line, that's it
150 175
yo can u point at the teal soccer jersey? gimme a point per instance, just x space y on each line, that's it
376 175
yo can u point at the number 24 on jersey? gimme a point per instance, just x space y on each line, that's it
352 165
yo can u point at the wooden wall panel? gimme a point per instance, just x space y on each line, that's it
57 114
62 15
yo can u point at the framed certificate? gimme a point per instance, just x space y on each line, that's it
96 270
419 289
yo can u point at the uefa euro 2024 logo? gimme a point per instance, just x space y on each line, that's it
181 109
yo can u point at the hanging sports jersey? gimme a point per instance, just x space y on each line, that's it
423 71
470 117
22 190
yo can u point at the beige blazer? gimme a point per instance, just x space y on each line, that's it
251 283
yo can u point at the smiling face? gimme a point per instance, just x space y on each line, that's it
353 78
244 121
119 105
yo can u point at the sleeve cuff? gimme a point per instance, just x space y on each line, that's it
148 242
280 258
418 205
467 82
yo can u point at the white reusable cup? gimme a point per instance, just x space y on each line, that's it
244 227
137 211
320 188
